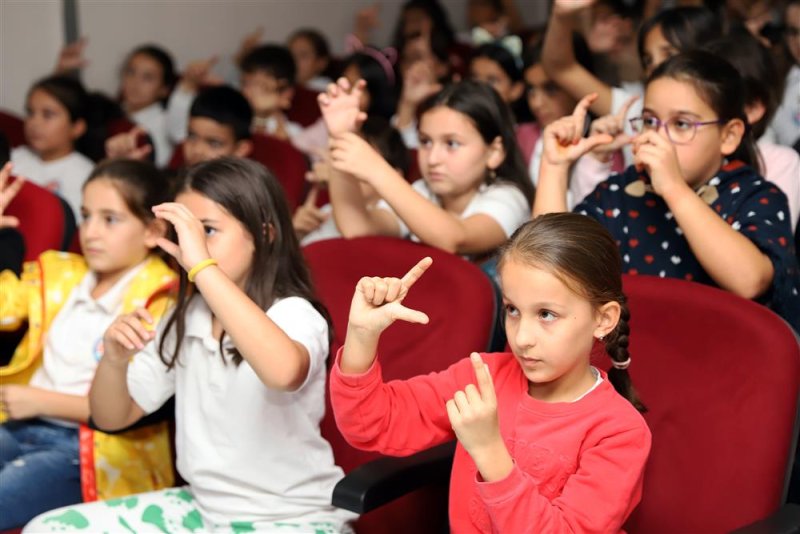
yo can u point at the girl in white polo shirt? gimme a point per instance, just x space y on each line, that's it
244 354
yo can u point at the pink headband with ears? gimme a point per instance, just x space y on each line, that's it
386 57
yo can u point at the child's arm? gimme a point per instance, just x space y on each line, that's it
558 57
730 258
110 401
279 361
433 225
353 217
307 217
25 402
563 143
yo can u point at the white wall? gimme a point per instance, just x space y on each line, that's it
31 33
191 29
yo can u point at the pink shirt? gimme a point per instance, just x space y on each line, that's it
578 466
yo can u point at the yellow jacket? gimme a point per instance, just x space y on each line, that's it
111 465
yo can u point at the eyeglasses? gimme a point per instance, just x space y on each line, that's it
680 131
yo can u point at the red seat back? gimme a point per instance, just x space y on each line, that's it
13 127
720 376
305 108
455 294
44 220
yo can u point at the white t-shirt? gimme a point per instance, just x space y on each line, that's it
503 202
620 95
153 119
533 171
73 343
249 453
63 176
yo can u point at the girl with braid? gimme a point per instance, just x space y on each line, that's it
546 441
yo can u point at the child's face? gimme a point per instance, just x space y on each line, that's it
550 329
208 139
453 157
112 238
308 64
353 74
656 50
546 100
142 83
48 128
227 239
266 94
485 70
700 158
793 31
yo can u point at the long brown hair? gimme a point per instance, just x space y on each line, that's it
581 253
252 195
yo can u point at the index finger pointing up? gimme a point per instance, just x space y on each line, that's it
583 107
484 379
416 271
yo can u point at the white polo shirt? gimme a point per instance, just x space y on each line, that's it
249 453
73 343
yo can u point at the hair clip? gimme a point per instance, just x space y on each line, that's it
385 57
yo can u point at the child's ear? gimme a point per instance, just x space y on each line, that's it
78 129
154 229
286 96
731 136
243 148
516 91
497 153
607 318
269 231
755 111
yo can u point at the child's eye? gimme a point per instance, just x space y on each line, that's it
547 316
681 124
453 144
425 142
650 123
215 144
511 311
111 219
209 230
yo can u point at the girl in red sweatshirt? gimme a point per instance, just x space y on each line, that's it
546 441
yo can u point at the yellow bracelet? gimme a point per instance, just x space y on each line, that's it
200 266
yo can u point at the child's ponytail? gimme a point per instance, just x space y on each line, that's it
617 348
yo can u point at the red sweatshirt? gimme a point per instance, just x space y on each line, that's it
578 466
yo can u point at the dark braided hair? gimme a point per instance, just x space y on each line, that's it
581 253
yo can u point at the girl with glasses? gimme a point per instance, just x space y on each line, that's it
693 205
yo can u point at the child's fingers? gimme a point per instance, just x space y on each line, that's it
462 403
144 315
142 334
408 315
473 395
594 141
452 413
367 288
169 247
416 271
394 289
482 376
381 288
344 84
311 198
582 109
126 334
5 173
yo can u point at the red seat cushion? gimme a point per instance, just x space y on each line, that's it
305 108
13 127
42 219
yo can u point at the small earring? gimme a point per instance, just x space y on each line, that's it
492 175
600 338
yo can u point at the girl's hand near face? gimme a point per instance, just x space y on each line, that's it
191 248
563 139
352 154
126 336
340 109
8 190
613 125
656 154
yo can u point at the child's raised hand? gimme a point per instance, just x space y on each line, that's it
377 302
191 248
568 7
473 412
613 125
125 145
352 154
8 190
656 154
563 139
199 73
71 57
419 82
340 109
249 42
127 335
